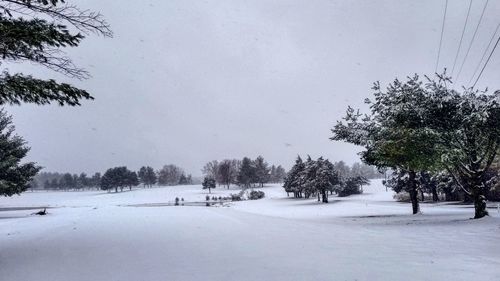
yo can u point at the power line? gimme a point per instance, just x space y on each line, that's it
484 54
461 38
489 57
472 41
441 39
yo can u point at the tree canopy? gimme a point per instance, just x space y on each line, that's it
37 31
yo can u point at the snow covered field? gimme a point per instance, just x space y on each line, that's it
98 236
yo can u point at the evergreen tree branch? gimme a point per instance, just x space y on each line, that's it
18 88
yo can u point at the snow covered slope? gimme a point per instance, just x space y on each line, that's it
97 236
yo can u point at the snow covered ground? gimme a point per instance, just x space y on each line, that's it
99 236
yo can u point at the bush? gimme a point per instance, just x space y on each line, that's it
350 189
176 201
256 194
235 197
207 198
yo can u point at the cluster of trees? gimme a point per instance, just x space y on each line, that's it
416 127
357 169
173 175
245 172
320 177
67 181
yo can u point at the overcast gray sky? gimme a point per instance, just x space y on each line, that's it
186 82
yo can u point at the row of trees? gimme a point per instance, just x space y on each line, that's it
245 172
114 178
320 177
425 126
67 181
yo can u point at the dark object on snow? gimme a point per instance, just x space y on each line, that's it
42 213
256 194
176 201
235 197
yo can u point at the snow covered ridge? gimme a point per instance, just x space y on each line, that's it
92 236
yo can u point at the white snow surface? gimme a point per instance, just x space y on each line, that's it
98 236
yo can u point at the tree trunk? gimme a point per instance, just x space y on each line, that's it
324 195
209 190
435 196
479 202
413 192
116 189
422 197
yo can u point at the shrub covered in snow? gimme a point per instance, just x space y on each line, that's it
256 194
352 185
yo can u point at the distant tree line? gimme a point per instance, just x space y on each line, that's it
321 177
116 178
244 173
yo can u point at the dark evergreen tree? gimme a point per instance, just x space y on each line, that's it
131 179
261 171
96 180
117 177
147 176
14 175
246 175
208 183
183 180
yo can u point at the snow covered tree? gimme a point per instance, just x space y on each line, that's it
394 133
292 182
36 32
208 183
307 177
261 171
326 178
147 176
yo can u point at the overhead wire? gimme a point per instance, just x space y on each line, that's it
484 55
461 37
486 63
441 39
472 40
